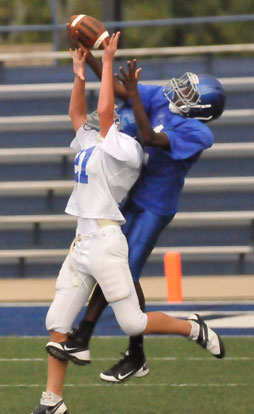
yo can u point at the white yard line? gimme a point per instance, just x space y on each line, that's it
150 359
132 385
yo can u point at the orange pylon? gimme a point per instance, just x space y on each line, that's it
173 275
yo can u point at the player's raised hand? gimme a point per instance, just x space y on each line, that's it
129 78
78 59
110 47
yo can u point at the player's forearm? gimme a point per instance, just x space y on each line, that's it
106 98
146 133
143 123
94 65
77 102
119 89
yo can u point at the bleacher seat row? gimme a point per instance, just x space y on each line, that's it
214 230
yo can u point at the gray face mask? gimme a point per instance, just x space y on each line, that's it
182 93
94 123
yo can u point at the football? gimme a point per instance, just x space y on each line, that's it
91 31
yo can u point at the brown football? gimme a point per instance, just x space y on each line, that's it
91 31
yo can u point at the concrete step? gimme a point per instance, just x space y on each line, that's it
194 288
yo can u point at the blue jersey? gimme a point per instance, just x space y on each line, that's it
162 178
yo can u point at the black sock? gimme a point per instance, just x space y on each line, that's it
136 345
85 331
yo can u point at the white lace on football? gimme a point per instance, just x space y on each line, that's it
100 39
77 19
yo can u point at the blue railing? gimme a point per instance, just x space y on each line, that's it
55 27
136 23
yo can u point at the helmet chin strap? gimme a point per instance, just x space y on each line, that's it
177 110
174 108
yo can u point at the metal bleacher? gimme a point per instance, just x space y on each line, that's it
214 230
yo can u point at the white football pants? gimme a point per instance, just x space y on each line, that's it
98 257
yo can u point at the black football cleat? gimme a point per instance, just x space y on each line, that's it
70 351
127 367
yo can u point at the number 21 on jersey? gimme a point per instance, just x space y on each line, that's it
80 165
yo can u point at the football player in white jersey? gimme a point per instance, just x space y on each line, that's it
106 166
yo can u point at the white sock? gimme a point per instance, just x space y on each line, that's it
194 330
50 398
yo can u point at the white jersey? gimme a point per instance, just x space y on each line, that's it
105 170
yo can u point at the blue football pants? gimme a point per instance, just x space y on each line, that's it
142 229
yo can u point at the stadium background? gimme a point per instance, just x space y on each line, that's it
214 230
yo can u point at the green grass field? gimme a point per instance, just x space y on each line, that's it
183 379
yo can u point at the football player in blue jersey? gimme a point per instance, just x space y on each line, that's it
173 121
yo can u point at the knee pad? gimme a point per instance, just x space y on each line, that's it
133 326
50 321
54 321
131 320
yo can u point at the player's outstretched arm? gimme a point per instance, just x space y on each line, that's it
77 107
119 89
129 79
106 96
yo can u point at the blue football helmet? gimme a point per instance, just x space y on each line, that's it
127 123
196 96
